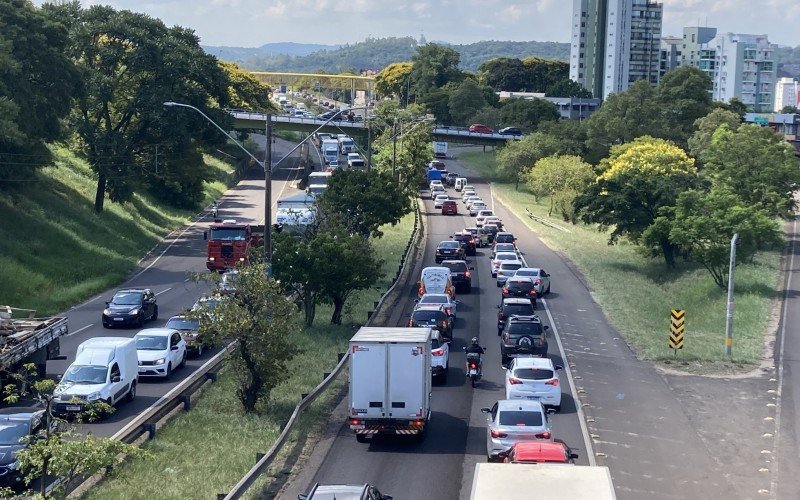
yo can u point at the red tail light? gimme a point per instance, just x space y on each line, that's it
505 289
473 366
444 324
538 281
543 435
448 309
439 352
472 240
514 381
418 423
498 434
553 382
353 421
467 274
532 292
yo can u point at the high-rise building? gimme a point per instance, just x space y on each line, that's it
615 43
739 65
670 56
785 93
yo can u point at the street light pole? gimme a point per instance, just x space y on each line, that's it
268 197
729 315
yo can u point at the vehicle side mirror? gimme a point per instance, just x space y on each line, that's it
486 410
559 367
498 306
504 368
205 235
546 327
108 303
457 301
573 456
115 379
416 301
471 268
551 411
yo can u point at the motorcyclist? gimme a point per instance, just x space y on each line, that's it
475 348
214 209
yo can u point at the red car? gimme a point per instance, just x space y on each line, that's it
532 452
480 129
449 207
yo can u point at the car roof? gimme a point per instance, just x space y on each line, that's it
533 362
531 269
448 242
157 332
450 201
434 294
20 413
519 404
338 492
519 279
505 232
544 451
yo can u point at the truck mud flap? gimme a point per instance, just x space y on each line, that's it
389 430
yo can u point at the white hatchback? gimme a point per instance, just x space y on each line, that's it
439 201
159 351
534 378
482 215
500 257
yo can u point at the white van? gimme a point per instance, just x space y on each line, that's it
105 369
460 183
436 280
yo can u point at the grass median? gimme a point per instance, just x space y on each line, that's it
207 450
55 250
636 293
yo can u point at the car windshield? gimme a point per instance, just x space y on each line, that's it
219 233
527 328
209 303
458 267
85 374
183 324
127 298
151 342
433 298
521 418
449 244
11 433
427 316
518 309
533 373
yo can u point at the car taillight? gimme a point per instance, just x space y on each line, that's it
418 423
448 309
514 381
472 240
473 366
444 324
498 434
538 281
553 382
437 352
467 274
532 292
543 435
505 289
353 421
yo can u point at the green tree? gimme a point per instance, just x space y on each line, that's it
296 263
704 222
466 101
757 164
707 125
637 180
393 79
262 320
132 64
434 66
527 114
561 178
488 116
684 94
363 201
543 74
790 110
438 102
245 91
734 104
568 88
37 85
518 156
504 73
625 116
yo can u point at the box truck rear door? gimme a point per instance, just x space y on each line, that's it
368 380
407 369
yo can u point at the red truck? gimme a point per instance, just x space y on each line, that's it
228 243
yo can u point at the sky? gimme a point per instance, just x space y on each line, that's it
251 23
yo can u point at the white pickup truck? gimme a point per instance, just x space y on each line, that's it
390 382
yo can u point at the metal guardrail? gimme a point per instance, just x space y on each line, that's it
265 461
546 222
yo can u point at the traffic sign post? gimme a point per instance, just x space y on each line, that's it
677 325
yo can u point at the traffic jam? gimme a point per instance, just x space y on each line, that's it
392 369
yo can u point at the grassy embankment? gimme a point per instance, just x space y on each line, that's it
636 293
55 251
205 451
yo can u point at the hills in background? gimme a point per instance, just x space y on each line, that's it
374 53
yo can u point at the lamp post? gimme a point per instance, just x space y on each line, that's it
267 176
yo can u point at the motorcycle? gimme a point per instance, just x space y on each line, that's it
214 210
474 367
501 324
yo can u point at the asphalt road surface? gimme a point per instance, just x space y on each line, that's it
166 271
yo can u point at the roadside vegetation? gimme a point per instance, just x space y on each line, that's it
56 250
227 438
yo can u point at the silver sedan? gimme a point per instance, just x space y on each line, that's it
540 278
450 304
512 421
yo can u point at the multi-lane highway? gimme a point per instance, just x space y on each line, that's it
635 423
166 272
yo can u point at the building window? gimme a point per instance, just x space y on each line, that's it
692 37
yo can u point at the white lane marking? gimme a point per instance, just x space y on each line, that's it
280 194
79 330
773 484
85 303
581 416
163 291
164 251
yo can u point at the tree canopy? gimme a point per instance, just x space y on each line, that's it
561 178
466 101
394 79
707 125
434 66
527 114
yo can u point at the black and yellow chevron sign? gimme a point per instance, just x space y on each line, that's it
677 325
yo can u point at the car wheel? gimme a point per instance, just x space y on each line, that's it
444 376
199 350
106 325
498 284
169 371
183 361
361 438
155 313
132 393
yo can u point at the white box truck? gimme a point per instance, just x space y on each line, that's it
390 382
330 150
439 149
560 481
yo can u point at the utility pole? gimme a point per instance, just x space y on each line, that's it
369 145
394 147
729 315
268 197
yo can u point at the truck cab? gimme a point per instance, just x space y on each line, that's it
228 243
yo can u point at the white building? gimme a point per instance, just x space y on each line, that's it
785 93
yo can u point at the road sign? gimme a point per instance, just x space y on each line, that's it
677 326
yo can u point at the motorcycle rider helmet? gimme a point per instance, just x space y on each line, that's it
474 340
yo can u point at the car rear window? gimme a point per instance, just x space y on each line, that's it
527 328
512 266
505 238
533 373
435 344
427 316
518 309
520 285
458 267
449 244
501 256
521 418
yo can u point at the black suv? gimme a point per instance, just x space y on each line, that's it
19 425
504 237
460 274
512 307
356 492
449 250
467 241
520 288
432 316
523 335
132 306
